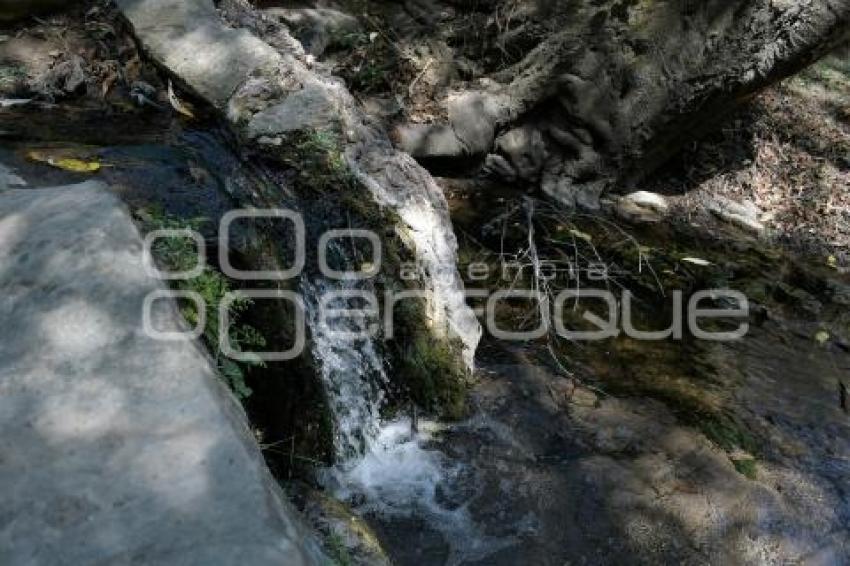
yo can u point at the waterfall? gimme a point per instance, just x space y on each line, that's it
352 372
384 468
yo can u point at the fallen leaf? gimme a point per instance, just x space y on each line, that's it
832 262
76 165
697 261
177 104
66 163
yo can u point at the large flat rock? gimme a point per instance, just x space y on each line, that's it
187 37
116 448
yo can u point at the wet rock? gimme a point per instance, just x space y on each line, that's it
526 151
498 167
316 28
839 293
121 447
797 297
642 207
744 215
189 38
349 538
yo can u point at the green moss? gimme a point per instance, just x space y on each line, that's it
316 156
180 254
725 432
700 412
429 370
680 376
746 467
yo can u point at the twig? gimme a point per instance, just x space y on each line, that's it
419 77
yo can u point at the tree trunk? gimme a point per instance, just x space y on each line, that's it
617 86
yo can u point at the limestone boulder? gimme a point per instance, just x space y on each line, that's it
118 447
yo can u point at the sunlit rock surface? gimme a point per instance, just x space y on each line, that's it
269 93
114 447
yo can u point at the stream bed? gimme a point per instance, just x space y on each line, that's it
667 451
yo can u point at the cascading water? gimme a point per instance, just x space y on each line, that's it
352 372
387 469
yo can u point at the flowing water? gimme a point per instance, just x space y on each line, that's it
353 373
386 469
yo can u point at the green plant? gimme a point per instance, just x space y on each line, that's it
179 254
338 553
317 157
746 467
370 77
725 432
347 40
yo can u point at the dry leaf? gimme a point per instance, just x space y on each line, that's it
66 163
177 104
76 165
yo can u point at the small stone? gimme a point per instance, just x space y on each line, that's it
642 207
744 215
525 149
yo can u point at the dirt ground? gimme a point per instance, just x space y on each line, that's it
788 152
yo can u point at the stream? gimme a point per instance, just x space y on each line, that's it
664 451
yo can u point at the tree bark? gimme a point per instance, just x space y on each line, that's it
616 87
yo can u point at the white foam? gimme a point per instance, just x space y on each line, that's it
401 476
386 469
352 372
